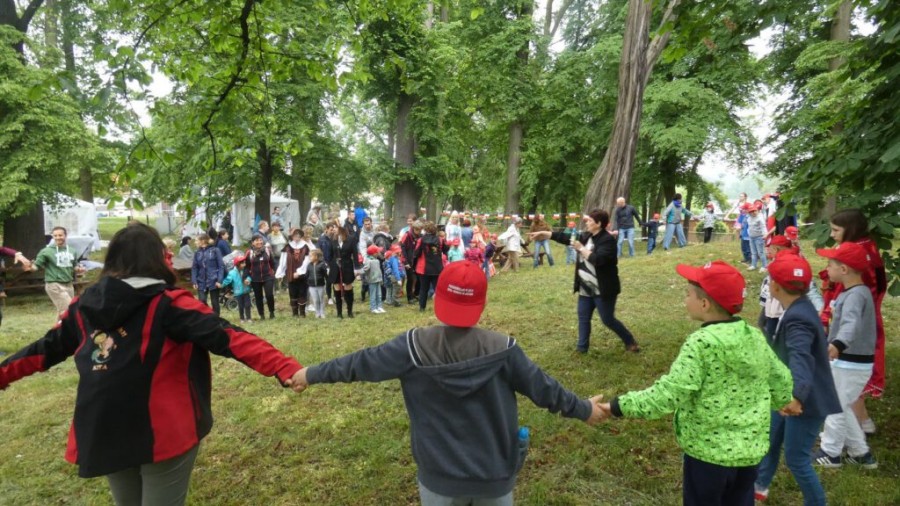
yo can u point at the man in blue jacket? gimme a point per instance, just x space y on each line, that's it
626 215
459 383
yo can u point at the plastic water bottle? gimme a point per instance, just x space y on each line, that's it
574 237
524 436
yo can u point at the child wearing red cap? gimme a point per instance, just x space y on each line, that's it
709 219
756 230
851 225
572 231
374 277
851 339
240 287
459 383
721 386
455 253
799 341
771 308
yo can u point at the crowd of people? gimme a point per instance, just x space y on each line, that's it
740 394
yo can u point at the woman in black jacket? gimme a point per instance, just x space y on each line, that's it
429 261
344 262
261 270
596 278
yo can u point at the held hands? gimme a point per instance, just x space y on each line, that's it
793 408
20 258
833 352
218 285
298 381
539 236
598 411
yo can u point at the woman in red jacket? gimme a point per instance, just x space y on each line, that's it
141 348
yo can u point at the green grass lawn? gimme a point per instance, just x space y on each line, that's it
109 225
349 444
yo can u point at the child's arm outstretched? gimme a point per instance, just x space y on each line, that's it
684 379
379 363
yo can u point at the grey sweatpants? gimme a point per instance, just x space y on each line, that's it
159 484
317 299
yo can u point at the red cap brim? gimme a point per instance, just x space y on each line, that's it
688 272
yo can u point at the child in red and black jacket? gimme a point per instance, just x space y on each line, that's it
141 348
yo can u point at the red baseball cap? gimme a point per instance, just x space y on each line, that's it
792 233
758 205
849 253
373 250
239 259
460 295
790 270
746 206
453 242
722 282
780 240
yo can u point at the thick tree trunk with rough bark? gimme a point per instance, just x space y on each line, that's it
264 182
639 55
406 191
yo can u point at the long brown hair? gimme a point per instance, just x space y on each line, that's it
854 223
137 251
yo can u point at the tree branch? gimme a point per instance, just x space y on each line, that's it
559 16
245 47
659 42
32 8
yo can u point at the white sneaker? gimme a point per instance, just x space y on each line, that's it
331 302
762 269
751 268
868 426
381 310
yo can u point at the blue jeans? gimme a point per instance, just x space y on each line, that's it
651 244
537 251
570 255
625 233
676 229
758 251
374 296
745 249
606 307
797 434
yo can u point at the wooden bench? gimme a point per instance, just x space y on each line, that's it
15 281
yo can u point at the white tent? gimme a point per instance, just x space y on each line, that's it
78 217
243 216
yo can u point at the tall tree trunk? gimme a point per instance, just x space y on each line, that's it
513 159
639 55
431 206
406 191
516 129
85 175
840 32
51 24
264 182
24 232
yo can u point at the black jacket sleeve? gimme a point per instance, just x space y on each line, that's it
58 344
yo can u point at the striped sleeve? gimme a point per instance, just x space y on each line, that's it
58 344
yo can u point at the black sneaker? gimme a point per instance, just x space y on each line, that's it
822 459
866 461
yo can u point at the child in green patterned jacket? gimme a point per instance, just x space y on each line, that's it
721 387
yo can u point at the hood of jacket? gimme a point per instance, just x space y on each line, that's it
463 378
110 302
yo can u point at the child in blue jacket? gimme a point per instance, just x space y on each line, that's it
394 275
240 287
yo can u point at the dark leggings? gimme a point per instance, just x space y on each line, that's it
258 287
707 234
243 301
426 283
213 295
297 289
341 296
411 285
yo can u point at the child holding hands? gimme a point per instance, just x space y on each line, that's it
799 341
721 387
851 346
